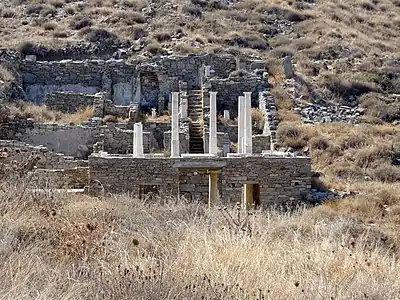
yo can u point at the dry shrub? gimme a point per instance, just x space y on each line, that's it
49 26
162 36
154 49
319 143
352 140
246 40
378 106
345 88
129 18
6 76
294 136
282 51
41 114
239 73
385 173
80 22
138 32
110 119
373 155
101 36
61 33
82 115
257 116
282 98
7 13
192 10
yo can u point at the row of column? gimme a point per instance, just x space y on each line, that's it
244 127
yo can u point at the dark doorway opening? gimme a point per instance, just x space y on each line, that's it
150 90
148 192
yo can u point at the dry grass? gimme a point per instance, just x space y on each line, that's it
346 151
40 114
59 246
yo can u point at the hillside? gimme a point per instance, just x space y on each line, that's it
346 52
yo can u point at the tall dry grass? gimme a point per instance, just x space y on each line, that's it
63 246
41 114
345 151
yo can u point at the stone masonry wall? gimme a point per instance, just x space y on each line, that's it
20 152
71 140
69 102
282 180
73 178
118 78
120 141
229 89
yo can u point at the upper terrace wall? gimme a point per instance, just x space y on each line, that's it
66 139
120 79
229 89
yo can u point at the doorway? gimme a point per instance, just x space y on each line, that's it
251 196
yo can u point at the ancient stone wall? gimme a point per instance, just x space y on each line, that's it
229 89
70 102
121 174
71 140
72 178
261 142
281 179
119 79
120 141
20 152
183 142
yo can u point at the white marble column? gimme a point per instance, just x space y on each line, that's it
138 140
226 115
212 141
134 144
183 105
248 132
175 125
241 120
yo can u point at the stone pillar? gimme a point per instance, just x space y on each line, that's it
207 70
212 141
138 92
226 115
261 101
175 125
138 140
248 196
248 143
288 67
183 105
134 144
212 188
106 85
237 60
241 120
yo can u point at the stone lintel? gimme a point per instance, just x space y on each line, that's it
199 164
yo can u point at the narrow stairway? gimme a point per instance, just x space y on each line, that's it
195 111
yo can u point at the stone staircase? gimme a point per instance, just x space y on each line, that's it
196 115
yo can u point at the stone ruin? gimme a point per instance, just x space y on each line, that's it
210 148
